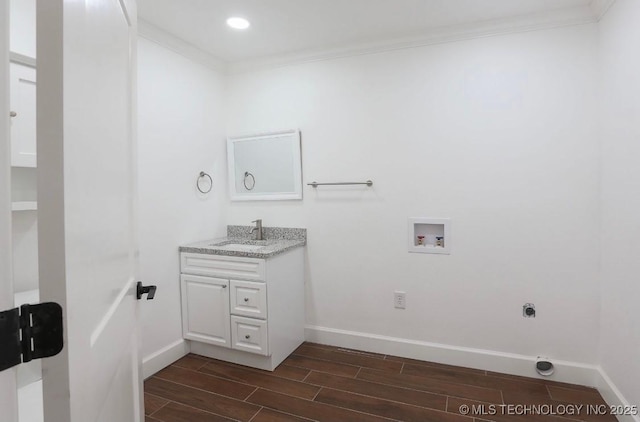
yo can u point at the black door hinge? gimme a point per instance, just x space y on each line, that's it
30 332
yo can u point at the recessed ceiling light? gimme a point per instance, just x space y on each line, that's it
238 23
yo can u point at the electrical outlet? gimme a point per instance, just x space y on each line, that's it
399 300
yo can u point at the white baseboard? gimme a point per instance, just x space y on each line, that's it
164 357
613 396
508 363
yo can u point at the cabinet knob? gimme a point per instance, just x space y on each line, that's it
13 114
224 286
246 299
247 336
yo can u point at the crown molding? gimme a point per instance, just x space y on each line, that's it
600 8
533 22
527 23
159 36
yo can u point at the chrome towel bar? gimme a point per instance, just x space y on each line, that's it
316 184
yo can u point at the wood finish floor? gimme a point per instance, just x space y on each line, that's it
323 383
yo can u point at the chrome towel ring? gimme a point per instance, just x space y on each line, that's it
202 176
252 183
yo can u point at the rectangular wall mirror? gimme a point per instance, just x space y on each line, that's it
265 167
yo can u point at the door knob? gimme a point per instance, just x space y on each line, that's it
246 299
150 291
13 114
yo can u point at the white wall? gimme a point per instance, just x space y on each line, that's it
620 337
499 134
180 133
22 28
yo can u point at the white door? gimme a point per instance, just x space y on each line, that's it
86 197
8 396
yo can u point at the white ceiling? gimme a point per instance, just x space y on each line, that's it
280 27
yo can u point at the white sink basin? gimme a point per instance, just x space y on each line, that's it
239 247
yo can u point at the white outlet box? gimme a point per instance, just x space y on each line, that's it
430 235
399 299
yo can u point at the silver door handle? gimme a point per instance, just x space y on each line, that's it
13 114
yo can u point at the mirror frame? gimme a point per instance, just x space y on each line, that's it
266 196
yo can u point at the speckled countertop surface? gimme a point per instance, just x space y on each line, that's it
276 241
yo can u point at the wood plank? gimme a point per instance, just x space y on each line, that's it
318 345
544 381
432 386
153 403
575 396
538 391
175 412
270 415
385 408
322 365
200 399
206 382
308 409
291 372
344 350
526 393
261 379
349 358
190 362
436 365
402 395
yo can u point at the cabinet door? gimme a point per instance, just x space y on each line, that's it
205 310
249 299
23 124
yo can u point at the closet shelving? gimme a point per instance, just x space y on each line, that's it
23 132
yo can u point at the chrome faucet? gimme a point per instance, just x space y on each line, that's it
257 229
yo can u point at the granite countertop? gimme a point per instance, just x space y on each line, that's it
239 242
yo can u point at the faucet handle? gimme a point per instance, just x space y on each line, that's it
258 229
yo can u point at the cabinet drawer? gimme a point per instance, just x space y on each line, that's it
249 335
249 298
222 266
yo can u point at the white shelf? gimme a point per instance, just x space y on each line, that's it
429 246
24 206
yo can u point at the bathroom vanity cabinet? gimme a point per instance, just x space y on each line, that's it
242 309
